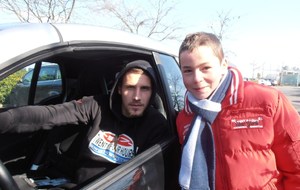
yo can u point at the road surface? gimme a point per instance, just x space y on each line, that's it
293 94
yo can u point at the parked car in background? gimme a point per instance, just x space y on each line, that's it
85 60
48 85
264 82
274 82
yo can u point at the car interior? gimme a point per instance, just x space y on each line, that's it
52 153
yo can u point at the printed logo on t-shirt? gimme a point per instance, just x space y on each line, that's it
116 149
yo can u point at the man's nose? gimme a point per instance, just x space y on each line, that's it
137 94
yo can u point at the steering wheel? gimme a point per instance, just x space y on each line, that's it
6 180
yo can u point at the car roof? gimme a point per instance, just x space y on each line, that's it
19 38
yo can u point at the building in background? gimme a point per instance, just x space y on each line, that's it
290 77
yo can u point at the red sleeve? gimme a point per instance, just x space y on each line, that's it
287 142
183 122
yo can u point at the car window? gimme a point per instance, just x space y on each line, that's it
173 75
48 73
15 88
27 77
49 82
7 88
145 171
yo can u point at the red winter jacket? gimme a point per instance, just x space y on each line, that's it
257 138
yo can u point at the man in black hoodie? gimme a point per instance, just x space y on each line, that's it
120 126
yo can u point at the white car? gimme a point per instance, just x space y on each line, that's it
264 82
88 58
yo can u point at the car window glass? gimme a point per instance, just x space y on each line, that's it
15 89
47 73
145 171
28 77
58 74
49 82
174 79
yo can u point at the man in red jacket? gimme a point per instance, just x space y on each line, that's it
235 134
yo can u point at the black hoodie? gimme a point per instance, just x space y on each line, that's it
115 98
111 139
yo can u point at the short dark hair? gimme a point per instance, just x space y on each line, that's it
192 41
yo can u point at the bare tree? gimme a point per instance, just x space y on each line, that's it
153 21
221 28
40 10
255 67
222 25
177 91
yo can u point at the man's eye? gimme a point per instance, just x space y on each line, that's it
146 88
187 71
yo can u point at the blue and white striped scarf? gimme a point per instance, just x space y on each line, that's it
197 169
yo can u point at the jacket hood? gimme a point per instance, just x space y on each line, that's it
115 100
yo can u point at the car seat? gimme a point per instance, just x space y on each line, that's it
89 82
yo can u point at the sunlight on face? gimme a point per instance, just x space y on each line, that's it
202 71
136 91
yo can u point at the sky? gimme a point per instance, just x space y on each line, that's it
264 38
266 35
